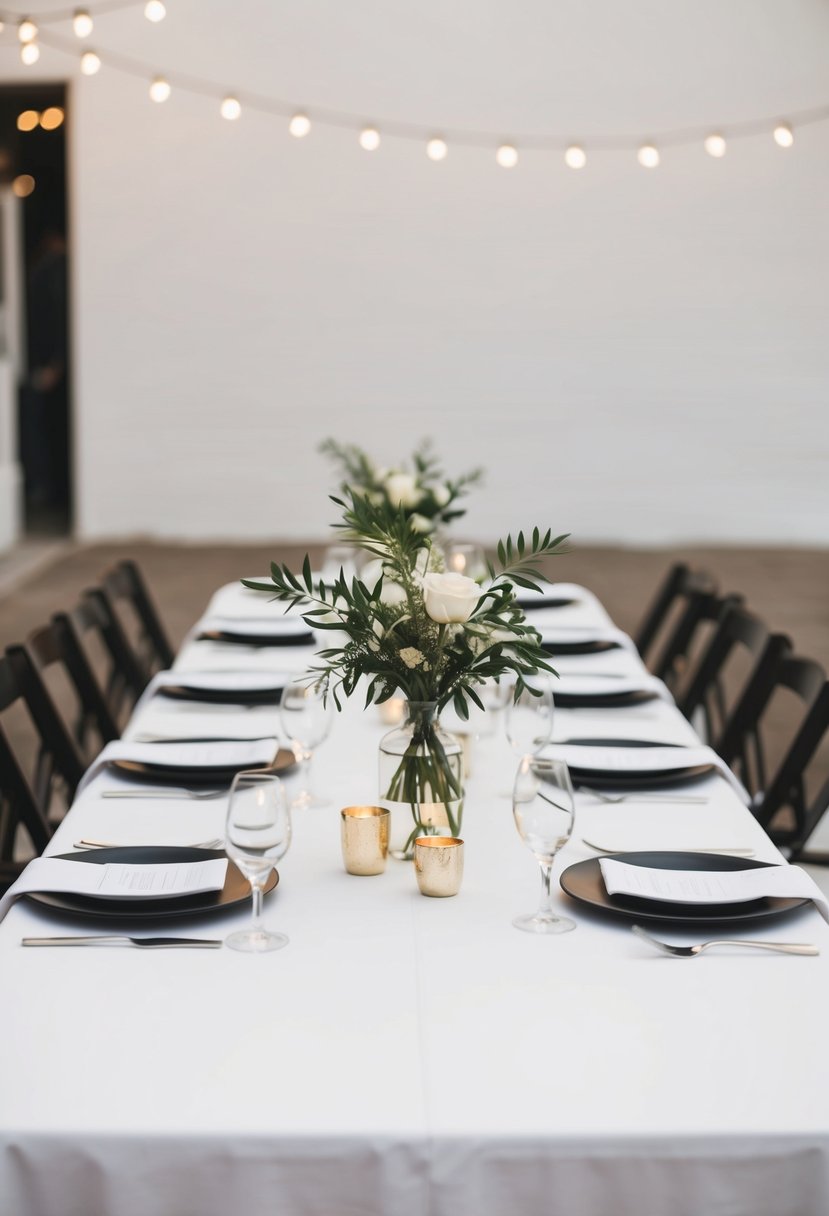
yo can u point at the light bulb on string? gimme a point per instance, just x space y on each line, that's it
575 157
783 135
29 53
715 145
648 156
82 23
27 30
230 109
90 63
155 11
436 148
23 185
27 120
299 126
507 156
369 139
52 118
160 89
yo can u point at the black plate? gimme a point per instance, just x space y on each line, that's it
662 780
529 602
235 891
602 700
257 639
596 646
222 696
283 761
583 882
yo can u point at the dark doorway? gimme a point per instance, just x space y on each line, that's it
33 160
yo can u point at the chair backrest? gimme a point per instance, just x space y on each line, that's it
740 649
128 676
58 644
701 610
679 582
786 791
125 586
59 759
19 806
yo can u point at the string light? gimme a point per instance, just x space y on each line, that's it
230 109
27 30
507 156
715 145
648 156
436 148
23 185
160 89
29 53
299 126
155 11
575 157
52 118
82 23
90 63
369 139
27 120
783 135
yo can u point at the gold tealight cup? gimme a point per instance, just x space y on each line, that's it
364 831
438 863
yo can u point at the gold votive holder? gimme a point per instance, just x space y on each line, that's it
364 832
438 863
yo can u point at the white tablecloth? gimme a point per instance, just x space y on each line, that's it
407 1056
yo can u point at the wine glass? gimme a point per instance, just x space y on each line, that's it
305 712
257 835
542 806
529 716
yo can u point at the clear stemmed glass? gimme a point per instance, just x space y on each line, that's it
543 805
257 836
529 717
305 713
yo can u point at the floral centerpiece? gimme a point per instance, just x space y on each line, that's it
425 495
417 631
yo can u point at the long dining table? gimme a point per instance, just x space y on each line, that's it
408 1056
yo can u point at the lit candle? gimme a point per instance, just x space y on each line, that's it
393 711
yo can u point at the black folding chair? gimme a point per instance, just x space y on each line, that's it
125 588
786 793
57 646
715 686
702 611
91 640
22 805
679 582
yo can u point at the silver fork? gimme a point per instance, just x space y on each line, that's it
693 951
171 792
643 797
735 852
217 843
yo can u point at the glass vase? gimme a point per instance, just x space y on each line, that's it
421 779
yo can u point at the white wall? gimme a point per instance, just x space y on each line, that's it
635 356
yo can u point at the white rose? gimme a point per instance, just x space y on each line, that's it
371 572
419 523
450 597
441 495
392 594
402 490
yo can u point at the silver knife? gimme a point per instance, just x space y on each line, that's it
146 943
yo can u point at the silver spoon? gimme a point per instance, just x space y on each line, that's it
693 951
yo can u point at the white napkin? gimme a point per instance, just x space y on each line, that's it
275 625
627 760
711 886
584 684
242 754
117 880
225 681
